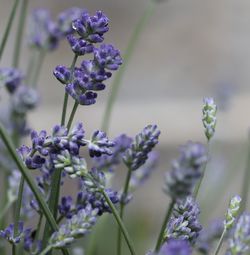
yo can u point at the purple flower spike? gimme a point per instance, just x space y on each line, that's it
108 57
62 73
143 144
176 247
79 46
91 28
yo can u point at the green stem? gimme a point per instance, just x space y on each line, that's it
72 115
56 178
120 223
37 68
14 249
17 213
53 203
19 34
27 177
197 187
46 250
163 226
65 102
220 242
126 58
8 27
124 195
38 228
246 178
18 206
65 105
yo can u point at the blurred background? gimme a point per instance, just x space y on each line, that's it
188 49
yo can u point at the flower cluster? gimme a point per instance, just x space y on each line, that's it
61 149
184 223
240 240
89 194
186 170
8 233
209 116
44 33
79 225
82 82
142 145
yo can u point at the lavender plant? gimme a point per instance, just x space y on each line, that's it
35 174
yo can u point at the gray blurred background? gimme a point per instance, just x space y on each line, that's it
189 49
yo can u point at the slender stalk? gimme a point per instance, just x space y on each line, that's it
38 228
14 249
56 178
17 213
72 115
8 27
37 68
125 192
120 223
246 178
65 102
197 187
19 34
53 204
126 58
65 105
18 206
220 242
164 225
46 250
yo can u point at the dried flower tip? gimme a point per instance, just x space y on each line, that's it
232 212
209 116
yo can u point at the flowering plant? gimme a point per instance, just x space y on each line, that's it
35 172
